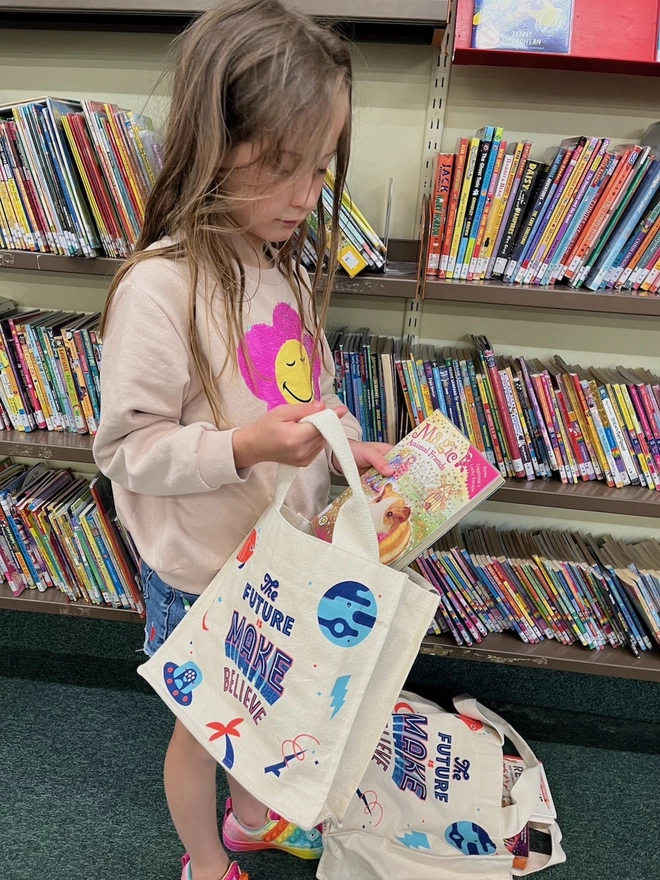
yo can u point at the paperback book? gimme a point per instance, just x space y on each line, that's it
439 477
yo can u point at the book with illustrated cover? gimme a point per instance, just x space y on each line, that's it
439 477
523 25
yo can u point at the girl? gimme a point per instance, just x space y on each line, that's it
214 349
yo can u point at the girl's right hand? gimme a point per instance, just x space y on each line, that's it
278 436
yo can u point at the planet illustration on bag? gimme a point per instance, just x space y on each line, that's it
347 613
470 839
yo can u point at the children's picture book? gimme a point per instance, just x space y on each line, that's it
439 477
523 25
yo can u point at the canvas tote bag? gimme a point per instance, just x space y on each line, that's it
429 806
287 666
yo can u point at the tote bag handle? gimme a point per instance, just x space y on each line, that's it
354 530
525 792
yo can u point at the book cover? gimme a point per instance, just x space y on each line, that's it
523 25
439 477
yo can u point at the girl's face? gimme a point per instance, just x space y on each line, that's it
274 206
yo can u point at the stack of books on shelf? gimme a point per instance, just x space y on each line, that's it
556 585
49 370
59 531
588 216
360 247
532 419
75 177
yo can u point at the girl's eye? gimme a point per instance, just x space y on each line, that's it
322 171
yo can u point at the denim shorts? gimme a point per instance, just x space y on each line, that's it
165 609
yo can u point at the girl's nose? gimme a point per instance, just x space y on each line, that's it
304 195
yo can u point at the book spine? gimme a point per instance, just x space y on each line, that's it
516 218
510 188
441 194
470 166
494 139
456 188
499 153
26 375
516 425
495 215
503 410
485 148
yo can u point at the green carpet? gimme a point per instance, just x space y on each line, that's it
81 764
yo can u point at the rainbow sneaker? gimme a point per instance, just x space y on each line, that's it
233 872
275 833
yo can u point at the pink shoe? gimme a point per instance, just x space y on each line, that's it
233 872
275 833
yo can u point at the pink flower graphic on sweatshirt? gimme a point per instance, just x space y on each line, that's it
276 360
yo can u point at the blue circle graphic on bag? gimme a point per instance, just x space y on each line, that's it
471 839
347 614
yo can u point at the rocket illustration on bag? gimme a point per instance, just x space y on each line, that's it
248 548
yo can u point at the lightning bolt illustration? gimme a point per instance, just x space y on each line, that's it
415 840
338 693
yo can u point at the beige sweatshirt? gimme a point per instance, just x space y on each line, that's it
176 486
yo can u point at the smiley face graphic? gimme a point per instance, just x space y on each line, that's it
276 360
293 374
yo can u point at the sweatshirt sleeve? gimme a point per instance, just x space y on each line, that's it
141 443
349 423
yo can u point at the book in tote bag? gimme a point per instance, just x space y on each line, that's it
429 806
287 665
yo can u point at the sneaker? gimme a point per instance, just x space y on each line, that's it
233 871
275 833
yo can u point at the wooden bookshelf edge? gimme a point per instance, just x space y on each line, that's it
503 649
48 445
52 601
399 281
507 650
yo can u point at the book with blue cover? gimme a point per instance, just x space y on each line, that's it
523 25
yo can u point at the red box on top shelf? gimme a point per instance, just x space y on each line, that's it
609 36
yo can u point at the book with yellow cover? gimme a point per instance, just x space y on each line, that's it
439 477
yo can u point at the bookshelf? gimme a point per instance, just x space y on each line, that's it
53 602
502 649
608 37
399 281
112 48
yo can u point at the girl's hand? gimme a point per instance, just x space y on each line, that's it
369 455
278 436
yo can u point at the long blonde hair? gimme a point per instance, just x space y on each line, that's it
245 71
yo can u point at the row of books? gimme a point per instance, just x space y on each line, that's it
588 216
574 588
49 370
530 418
360 247
75 176
59 531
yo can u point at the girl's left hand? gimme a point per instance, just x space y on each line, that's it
371 455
